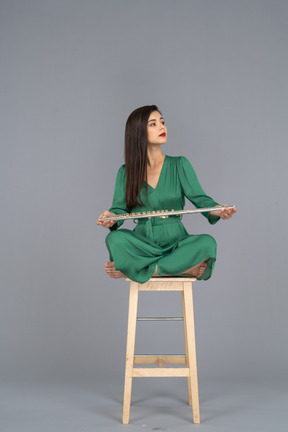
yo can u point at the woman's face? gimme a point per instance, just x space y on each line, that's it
156 129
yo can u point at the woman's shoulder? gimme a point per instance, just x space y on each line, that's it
121 173
178 160
181 164
122 169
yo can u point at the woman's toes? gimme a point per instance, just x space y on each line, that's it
110 270
109 267
201 270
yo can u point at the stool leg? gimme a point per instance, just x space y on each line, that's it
190 331
186 349
131 333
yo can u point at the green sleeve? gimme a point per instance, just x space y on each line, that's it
193 190
119 203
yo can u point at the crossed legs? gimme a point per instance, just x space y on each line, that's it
195 271
129 247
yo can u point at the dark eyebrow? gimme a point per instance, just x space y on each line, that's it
161 118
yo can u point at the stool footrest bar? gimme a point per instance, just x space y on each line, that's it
159 318
159 355
160 372
160 359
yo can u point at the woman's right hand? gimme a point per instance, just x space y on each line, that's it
107 223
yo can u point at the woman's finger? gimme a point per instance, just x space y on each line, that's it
107 223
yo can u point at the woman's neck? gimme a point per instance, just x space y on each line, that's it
155 155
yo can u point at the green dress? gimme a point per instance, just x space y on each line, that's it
164 242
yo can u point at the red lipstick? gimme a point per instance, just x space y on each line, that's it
163 134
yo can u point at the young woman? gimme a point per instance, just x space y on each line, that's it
151 181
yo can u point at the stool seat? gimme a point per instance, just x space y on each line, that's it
167 279
189 369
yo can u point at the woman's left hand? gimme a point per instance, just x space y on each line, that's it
224 213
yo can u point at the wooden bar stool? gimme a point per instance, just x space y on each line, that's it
189 360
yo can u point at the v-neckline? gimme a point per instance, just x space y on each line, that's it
158 177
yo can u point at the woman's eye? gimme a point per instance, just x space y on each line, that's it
152 124
163 122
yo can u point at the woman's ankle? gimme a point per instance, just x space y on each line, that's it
155 274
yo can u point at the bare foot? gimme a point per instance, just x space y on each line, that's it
110 270
198 270
195 271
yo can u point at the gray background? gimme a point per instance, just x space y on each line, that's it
71 73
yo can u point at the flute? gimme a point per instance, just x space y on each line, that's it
163 213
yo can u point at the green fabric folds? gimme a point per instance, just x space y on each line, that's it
156 241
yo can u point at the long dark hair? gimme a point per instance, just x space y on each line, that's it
135 153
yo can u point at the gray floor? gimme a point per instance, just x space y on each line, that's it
157 405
